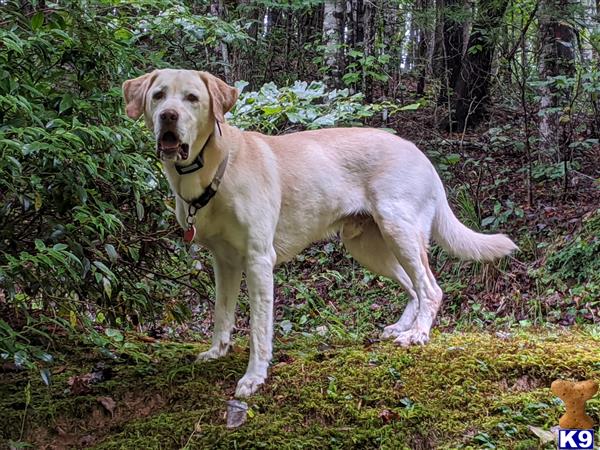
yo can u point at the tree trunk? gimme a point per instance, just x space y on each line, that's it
333 34
359 30
391 43
588 17
368 41
350 22
217 9
450 48
557 57
471 89
424 36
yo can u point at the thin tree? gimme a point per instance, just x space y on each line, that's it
333 35
557 57
217 9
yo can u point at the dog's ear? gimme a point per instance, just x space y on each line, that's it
134 91
222 96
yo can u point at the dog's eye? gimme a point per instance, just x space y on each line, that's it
191 98
158 95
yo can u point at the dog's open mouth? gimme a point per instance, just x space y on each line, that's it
169 146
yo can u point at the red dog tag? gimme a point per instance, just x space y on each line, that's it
189 234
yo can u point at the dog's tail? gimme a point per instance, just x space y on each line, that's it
463 242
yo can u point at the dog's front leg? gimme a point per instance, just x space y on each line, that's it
259 273
228 275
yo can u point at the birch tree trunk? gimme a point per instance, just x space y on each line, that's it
368 41
333 33
392 43
557 57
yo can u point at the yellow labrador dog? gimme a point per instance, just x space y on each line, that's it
255 201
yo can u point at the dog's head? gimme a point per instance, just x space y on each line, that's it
180 106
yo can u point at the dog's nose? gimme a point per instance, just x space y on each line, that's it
169 116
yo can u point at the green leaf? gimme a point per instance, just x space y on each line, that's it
487 221
46 377
111 252
100 265
410 107
271 110
497 208
453 158
293 117
114 334
65 103
46 357
107 287
37 21
139 209
123 34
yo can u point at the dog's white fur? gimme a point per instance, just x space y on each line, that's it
281 193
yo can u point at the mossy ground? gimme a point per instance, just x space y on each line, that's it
463 390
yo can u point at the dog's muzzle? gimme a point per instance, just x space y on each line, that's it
169 146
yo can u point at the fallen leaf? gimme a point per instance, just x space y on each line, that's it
236 413
387 416
525 383
81 384
109 404
544 435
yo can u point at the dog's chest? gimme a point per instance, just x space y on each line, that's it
214 224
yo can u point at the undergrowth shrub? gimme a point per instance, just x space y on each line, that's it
576 260
303 105
86 234
572 271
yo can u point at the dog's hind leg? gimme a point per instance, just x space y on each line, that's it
362 238
407 241
228 278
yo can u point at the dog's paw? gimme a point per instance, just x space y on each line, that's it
212 353
248 385
393 331
411 337
396 329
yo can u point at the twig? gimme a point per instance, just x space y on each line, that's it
511 54
167 277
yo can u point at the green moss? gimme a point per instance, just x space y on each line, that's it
461 390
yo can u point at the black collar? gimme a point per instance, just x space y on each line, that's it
198 162
202 200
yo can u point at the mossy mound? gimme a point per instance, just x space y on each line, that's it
469 390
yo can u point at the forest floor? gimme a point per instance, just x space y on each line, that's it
463 390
